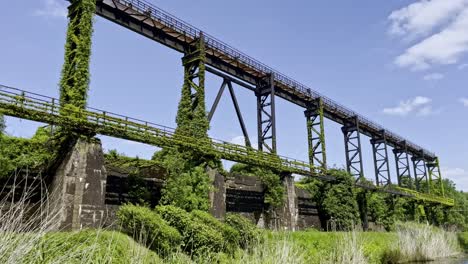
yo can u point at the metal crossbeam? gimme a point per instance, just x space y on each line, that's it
316 135
420 173
150 21
266 115
435 178
381 164
35 107
352 140
403 166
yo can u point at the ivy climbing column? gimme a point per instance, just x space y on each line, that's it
74 83
435 177
316 135
191 116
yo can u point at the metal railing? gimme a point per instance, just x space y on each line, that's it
215 44
33 106
141 130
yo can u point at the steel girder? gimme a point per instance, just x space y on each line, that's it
403 166
420 172
352 140
381 164
227 82
435 177
266 117
316 135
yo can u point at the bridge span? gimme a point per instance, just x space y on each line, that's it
232 65
22 104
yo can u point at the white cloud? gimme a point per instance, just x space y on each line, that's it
446 23
433 77
421 17
462 66
464 101
419 105
457 175
53 8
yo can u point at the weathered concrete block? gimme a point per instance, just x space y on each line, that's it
217 195
78 186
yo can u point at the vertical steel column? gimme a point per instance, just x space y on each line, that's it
381 164
352 141
435 175
316 134
420 172
266 120
403 166
191 116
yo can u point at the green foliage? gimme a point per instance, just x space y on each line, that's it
89 246
187 185
274 189
335 200
230 235
198 237
249 233
463 240
148 227
21 153
74 83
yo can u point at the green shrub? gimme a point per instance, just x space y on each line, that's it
149 228
249 234
230 235
198 237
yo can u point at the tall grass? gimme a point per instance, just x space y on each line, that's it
422 242
29 232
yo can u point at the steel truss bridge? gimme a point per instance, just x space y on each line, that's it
235 67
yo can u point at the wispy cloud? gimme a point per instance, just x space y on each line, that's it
421 17
433 77
445 23
52 9
464 101
419 105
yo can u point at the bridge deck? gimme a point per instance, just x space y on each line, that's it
156 24
31 106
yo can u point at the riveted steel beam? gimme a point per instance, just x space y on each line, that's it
266 117
381 164
403 166
435 177
316 134
420 172
352 140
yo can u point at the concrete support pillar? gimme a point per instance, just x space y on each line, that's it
78 188
217 195
286 216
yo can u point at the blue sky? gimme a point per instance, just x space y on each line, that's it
401 63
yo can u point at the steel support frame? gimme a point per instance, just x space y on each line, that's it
420 172
316 134
403 166
266 116
228 83
381 164
435 177
352 140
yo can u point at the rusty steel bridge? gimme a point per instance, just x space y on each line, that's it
418 171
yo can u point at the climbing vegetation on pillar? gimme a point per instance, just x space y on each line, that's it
274 189
187 184
74 83
32 154
335 199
